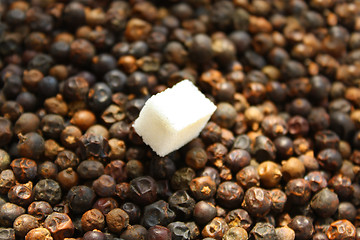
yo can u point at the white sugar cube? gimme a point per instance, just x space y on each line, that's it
174 117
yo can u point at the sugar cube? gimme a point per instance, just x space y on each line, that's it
174 117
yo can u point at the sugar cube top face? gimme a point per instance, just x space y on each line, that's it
174 117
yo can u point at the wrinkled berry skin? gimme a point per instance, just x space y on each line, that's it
93 146
157 213
80 198
60 225
143 190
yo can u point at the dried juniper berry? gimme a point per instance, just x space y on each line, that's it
341 186
133 108
67 178
47 190
216 153
99 97
162 167
134 232
237 159
90 169
95 146
276 91
224 115
7 180
24 223
27 122
300 106
4 160
105 205
104 186
66 159
48 86
95 234
47 169
326 139
117 149
229 194
12 110
298 126
157 213
236 233
75 88
292 168
239 218
204 212
21 194
133 211
274 126
211 133
83 119
41 62
263 230
202 188
39 232
318 119
215 229
278 200
317 180
40 210
7 233
342 124
62 207
257 202
60 50
284 146
298 191
80 198
143 190
28 101
15 17
325 203
8 213
248 177
330 159
6 133
182 204
201 48
60 225
179 231
12 86
52 125
285 232
116 80
270 174
196 158
137 82
92 219
103 63
158 232
31 145
182 178
24 169
264 149
341 229
346 210
116 169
